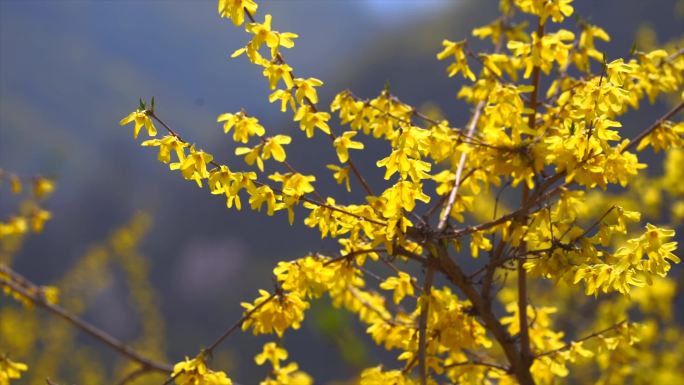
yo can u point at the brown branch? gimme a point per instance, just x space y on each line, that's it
491 322
459 171
422 324
478 363
88 328
443 198
237 324
353 254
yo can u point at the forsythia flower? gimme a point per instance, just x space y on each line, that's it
235 9
276 72
245 126
274 146
273 353
274 313
455 49
344 143
309 120
10 370
43 187
306 89
141 119
376 376
402 286
194 166
195 372
558 10
341 175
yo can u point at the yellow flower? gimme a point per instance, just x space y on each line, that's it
285 97
245 126
310 120
10 370
306 89
43 187
15 183
261 195
141 119
235 9
195 372
344 143
38 219
263 34
277 315
276 72
455 49
252 155
558 10
402 286
194 166
341 175
271 352
166 145
399 161
274 146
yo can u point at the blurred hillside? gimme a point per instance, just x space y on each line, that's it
69 70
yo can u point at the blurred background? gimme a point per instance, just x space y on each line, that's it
71 69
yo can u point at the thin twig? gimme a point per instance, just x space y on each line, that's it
459 171
227 333
88 328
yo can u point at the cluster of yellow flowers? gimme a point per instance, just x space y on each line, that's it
557 145
31 215
195 372
10 370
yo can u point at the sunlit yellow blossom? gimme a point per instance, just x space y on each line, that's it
43 187
341 175
274 146
401 285
10 370
38 219
168 144
194 166
273 353
195 372
344 143
141 118
306 89
261 195
276 72
275 314
245 126
556 9
235 9
252 155
310 120
455 49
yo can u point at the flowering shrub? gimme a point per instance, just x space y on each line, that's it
570 283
